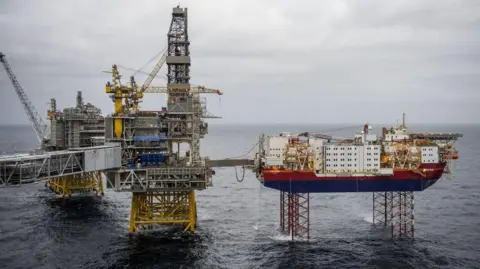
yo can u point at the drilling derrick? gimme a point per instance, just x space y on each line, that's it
161 177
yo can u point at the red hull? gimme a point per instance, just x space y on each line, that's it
426 171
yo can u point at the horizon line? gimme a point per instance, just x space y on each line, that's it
298 123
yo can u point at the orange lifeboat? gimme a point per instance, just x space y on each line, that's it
452 156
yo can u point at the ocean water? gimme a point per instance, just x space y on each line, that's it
238 221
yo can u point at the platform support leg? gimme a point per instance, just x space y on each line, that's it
295 215
82 183
100 183
150 209
395 210
403 215
381 208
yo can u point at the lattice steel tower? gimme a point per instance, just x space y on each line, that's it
182 103
178 57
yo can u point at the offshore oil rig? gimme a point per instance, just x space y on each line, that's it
64 159
140 151
161 178
392 166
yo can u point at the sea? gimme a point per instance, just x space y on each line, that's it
238 219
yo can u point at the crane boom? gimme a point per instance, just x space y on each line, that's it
35 119
154 72
190 89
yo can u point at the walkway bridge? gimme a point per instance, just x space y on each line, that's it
32 167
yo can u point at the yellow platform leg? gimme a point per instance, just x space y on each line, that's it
67 185
150 209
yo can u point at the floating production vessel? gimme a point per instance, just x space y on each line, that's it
396 161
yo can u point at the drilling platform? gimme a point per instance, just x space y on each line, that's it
138 151
392 167
161 178
67 159
75 128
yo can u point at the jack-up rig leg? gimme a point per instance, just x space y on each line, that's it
381 208
150 209
295 215
396 211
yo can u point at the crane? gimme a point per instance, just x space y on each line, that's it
131 94
191 89
36 120
138 94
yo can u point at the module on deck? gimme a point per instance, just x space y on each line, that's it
396 161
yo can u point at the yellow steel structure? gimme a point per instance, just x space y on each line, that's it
169 207
126 98
121 98
67 185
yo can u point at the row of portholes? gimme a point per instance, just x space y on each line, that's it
350 148
350 170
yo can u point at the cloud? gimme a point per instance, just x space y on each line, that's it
304 61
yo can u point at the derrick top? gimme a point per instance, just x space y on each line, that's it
179 11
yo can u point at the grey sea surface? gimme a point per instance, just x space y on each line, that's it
238 221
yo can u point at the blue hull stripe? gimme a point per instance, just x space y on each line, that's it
313 186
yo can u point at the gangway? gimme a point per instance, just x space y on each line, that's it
32 167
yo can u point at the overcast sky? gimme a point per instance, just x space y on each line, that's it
276 60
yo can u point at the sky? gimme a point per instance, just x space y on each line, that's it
277 61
